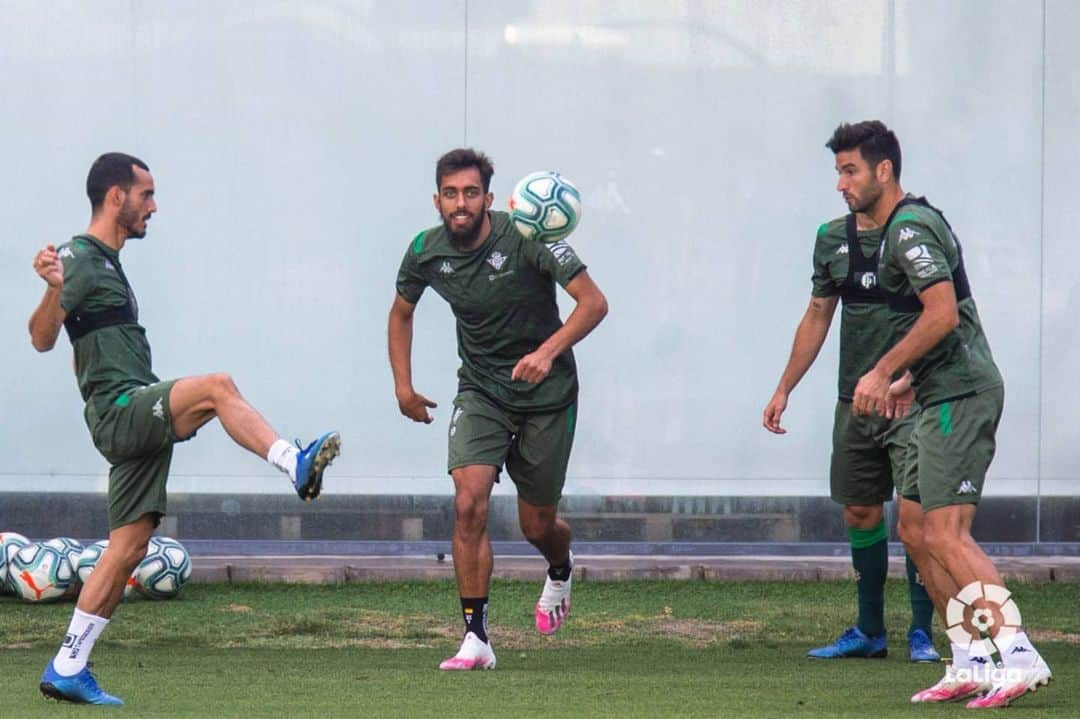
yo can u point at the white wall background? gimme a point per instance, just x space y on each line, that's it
293 146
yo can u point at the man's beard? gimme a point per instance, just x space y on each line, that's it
129 220
465 237
862 204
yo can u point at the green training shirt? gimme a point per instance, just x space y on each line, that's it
866 333
503 296
918 251
111 360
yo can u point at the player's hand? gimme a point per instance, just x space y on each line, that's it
871 393
900 399
773 411
415 406
532 368
49 268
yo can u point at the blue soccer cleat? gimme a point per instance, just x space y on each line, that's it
79 689
920 648
854 644
310 463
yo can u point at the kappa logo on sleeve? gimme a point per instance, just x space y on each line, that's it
65 252
922 262
908 233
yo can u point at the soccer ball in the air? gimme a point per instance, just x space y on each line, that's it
166 568
89 558
41 572
14 541
545 206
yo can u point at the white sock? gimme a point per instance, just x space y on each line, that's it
81 635
283 456
960 657
1020 652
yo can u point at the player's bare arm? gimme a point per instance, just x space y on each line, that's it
48 318
939 317
400 333
809 337
590 309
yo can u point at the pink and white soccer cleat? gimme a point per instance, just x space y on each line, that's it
957 684
474 654
1013 687
554 603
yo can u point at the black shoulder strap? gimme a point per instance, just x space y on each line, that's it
910 303
80 324
860 286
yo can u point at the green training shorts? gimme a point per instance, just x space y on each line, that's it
535 447
868 456
135 435
951 448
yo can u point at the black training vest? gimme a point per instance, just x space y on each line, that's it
861 285
80 324
910 303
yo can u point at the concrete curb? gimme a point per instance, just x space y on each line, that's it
323 569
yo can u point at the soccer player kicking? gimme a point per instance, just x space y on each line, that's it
961 394
517 385
867 452
133 417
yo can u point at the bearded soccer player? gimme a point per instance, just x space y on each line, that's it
868 452
134 418
517 385
961 394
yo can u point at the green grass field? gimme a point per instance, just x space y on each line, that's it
629 649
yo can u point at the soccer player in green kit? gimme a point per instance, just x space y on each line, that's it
961 395
868 452
517 385
133 417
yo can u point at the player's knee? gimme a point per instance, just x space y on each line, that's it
470 512
222 386
536 529
911 535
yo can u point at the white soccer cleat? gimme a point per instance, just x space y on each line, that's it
957 684
1014 687
474 654
554 603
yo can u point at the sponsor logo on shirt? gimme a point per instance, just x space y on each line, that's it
497 260
563 252
921 261
446 269
908 233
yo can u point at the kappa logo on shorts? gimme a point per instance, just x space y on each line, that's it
159 409
842 250
966 487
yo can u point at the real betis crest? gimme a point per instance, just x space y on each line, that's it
497 260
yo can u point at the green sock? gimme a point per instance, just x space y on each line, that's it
870 556
922 609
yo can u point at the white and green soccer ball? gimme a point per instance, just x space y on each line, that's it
164 570
88 560
545 206
12 540
41 572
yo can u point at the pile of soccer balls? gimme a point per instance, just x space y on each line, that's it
55 570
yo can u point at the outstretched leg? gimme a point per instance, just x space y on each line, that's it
194 401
